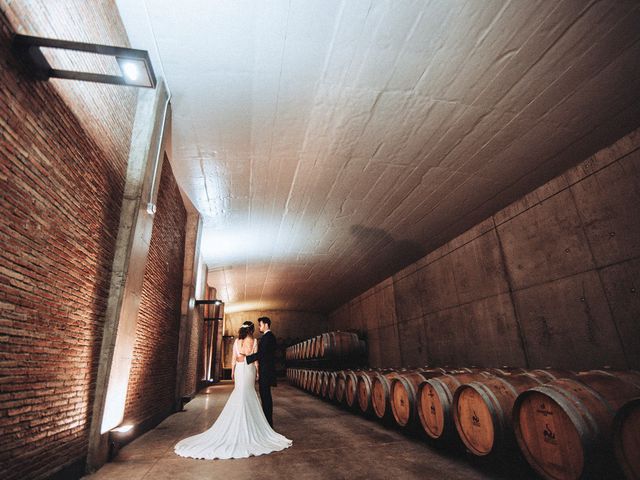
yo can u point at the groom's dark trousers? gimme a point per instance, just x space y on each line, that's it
267 370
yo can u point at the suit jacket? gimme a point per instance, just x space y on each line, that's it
266 355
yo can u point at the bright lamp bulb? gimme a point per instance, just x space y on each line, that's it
131 71
123 428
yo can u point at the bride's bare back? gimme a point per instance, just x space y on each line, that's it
246 346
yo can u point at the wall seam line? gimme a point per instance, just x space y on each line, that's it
599 274
516 316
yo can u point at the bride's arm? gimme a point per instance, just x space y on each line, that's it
233 361
257 364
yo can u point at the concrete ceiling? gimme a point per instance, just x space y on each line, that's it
327 144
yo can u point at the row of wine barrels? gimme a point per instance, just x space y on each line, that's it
568 425
565 428
330 345
483 406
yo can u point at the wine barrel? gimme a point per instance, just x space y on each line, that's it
380 388
318 346
319 379
309 380
435 400
405 399
626 438
333 382
564 428
324 388
403 395
363 388
314 347
339 344
351 388
482 411
341 380
324 345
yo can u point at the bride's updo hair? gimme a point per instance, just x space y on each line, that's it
246 328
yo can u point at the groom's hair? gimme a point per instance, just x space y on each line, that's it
266 320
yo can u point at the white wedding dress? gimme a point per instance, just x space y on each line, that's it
241 430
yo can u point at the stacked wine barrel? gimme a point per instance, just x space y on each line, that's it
568 425
331 347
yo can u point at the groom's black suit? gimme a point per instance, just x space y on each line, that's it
266 356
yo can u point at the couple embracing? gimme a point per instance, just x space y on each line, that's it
244 427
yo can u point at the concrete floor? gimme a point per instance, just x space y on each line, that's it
328 443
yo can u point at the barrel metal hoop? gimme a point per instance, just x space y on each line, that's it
593 392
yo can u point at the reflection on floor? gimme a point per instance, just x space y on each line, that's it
328 443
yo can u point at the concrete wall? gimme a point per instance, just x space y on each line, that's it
552 279
59 212
286 324
151 388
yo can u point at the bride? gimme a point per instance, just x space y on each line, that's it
241 430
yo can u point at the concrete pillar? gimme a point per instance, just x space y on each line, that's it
132 249
188 316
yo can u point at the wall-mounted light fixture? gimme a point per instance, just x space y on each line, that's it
118 438
135 65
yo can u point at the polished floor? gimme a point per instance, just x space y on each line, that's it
328 443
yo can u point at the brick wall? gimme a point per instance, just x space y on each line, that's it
552 279
60 197
152 383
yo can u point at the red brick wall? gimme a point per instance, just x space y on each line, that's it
152 383
60 198
551 280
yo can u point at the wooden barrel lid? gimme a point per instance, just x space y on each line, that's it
340 386
474 421
319 380
430 409
332 385
548 437
364 392
379 395
400 403
324 388
350 392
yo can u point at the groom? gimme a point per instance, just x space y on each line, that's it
266 357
